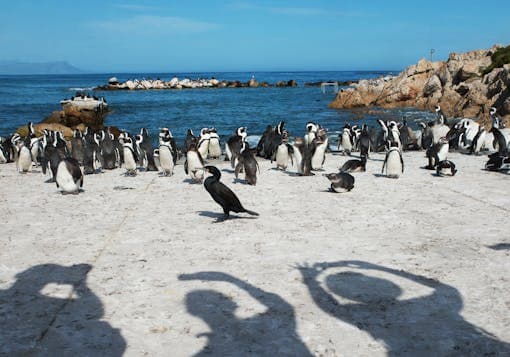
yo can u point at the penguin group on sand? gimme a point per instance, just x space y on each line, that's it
92 151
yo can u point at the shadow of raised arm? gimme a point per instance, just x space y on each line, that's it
272 301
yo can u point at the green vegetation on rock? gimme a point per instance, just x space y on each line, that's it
499 58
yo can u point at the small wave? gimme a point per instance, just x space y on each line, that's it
81 89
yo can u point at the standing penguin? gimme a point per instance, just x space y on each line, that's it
319 146
194 164
24 157
203 143
437 152
165 156
311 131
234 143
340 182
393 162
284 152
345 140
69 176
298 148
248 163
146 147
190 138
364 141
90 152
77 146
130 156
108 150
426 136
264 142
166 133
214 144
222 195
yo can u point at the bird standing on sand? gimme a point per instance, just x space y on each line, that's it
222 194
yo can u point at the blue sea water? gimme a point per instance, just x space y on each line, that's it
32 98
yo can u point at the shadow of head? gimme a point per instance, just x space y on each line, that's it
362 288
36 277
211 306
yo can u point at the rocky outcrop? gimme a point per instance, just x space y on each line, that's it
186 83
458 85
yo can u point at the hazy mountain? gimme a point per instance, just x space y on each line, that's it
16 67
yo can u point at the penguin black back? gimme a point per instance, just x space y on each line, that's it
223 195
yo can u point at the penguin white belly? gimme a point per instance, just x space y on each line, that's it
195 167
393 164
166 160
319 155
480 143
129 160
298 159
65 180
24 159
488 142
214 148
439 131
309 138
228 153
3 159
282 156
443 152
203 149
346 142
35 150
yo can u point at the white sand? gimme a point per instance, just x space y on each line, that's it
138 241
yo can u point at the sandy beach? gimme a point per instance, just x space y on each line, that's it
139 266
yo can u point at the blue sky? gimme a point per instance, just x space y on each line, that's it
174 36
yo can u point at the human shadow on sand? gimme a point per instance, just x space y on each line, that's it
33 322
270 333
428 325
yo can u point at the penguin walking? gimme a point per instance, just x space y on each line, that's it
165 153
446 168
194 164
248 164
393 162
69 176
340 182
77 146
355 165
203 143
214 144
319 146
223 195
130 156
284 152
345 140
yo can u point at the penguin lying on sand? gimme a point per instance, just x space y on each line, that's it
340 182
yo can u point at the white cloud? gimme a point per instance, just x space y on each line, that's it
150 24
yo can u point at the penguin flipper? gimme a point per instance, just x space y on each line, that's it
186 167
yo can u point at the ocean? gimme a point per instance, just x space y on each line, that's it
32 98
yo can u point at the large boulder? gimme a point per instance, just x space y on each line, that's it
458 85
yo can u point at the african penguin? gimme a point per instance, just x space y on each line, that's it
69 176
194 164
364 141
445 168
165 156
77 146
437 152
393 162
284 152
319 146
214 144
246 162
233 145
130 156
345 140
311 131
355 165
340 182
203 143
